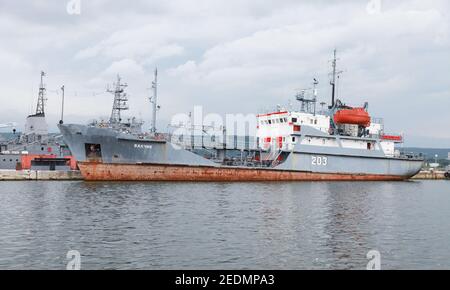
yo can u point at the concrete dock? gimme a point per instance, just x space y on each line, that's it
39 175
430 174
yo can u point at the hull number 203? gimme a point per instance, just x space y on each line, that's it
319 160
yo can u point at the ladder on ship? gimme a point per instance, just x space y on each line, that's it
276 160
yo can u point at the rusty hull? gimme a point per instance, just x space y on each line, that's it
92 171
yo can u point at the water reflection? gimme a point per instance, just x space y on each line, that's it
224 225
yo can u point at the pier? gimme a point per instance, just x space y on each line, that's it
39 175
430 174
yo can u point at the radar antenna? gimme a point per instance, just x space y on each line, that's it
120 101
308 103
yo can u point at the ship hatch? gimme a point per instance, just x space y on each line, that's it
93 152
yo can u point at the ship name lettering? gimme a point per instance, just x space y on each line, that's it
142 146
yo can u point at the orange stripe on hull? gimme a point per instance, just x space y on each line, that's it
154 172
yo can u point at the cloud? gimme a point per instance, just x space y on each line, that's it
135 43
231 56
289 46
386 58
13 61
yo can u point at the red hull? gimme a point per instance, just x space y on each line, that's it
154 172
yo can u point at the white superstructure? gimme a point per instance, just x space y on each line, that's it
275 130
278 130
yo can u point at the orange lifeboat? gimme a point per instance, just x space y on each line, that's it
354 116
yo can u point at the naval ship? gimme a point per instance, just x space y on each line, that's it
338 143
35 148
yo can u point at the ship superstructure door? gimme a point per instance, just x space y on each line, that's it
93 152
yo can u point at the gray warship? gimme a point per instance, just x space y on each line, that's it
341 143
35 147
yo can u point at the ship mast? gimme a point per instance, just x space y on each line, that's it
120 101
61 121
41 98
333 79
334 74
154 101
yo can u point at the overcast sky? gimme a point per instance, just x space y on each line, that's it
230 56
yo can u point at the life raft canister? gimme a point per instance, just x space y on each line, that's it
354 116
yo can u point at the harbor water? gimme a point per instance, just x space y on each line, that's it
297 225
